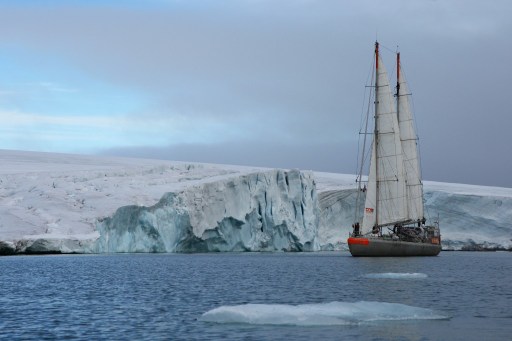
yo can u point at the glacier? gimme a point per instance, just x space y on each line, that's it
58 203
471 217
274 210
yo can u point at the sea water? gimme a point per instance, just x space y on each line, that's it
256 296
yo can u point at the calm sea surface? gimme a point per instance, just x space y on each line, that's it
280 296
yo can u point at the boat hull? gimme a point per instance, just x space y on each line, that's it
378 247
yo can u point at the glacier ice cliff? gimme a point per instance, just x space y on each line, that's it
472 222
77 204
283 211
265 211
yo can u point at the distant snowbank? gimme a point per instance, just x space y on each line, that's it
74 203
334 181
469 189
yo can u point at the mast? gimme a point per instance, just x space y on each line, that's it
375 131
409 139
385 202
398 85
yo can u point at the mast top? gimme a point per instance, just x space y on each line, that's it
376 55
398 67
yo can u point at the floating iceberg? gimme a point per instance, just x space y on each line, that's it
320 314
397 275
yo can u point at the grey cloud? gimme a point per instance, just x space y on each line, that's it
300 66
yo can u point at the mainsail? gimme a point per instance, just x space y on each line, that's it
386 192
409 148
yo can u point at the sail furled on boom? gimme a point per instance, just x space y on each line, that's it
386 192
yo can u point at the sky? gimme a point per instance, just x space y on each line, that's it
255 82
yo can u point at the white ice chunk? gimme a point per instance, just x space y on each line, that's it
397 275
319 314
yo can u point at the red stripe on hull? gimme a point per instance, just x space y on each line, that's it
358 241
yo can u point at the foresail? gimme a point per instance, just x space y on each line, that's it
410 152
387 203
369 214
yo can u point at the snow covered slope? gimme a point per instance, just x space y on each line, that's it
71 203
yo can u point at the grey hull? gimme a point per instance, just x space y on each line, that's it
389 248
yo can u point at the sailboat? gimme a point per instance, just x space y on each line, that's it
393 221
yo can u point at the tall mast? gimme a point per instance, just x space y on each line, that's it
398 85
385 202
376 133
409 141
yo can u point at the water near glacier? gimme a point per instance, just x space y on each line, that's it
256 296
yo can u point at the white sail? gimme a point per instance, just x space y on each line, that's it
370 216
394 192
386 191
410 150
